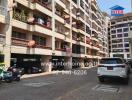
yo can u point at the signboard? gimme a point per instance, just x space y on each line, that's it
117 11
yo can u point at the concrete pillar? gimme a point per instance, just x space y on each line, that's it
53 26
8 32
68 63
46 63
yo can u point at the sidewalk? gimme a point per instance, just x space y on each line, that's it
50 73
41 74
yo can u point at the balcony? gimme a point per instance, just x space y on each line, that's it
78 49
43 3
60 15
67 22
43 47
81 27
24 43
81 38
43 21
62 47
88 40
95 46
74 35
19 42
94 4
95 37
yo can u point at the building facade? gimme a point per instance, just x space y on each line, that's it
118 34
38 31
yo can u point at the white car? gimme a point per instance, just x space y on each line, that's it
113 67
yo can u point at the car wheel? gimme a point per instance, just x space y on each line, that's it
126 80
101 79
9 80
18 79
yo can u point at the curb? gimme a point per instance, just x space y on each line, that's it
49 73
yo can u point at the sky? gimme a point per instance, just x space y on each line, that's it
106 4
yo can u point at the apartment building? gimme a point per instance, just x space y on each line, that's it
119 42
34 32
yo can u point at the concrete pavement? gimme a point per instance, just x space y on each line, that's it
66 87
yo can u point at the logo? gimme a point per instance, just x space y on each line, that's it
117 11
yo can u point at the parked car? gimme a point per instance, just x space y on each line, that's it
113 68
34 69
5 75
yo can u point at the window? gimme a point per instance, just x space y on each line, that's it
119 35
126 40
125 30
118 55
126 45
130 18
119 30
111 61
119 50
114 46
39 40
128 55
119 40
113 31
120 45
125 19
131 28
57 44
18 35
113 22
114 41
125 34
113 36
126 50
119 20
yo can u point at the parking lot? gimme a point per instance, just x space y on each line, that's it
66 86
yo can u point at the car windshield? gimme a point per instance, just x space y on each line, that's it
111 61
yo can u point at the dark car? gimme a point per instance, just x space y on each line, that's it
34 69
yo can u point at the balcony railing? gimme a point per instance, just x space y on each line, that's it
24 43
60 14
3 10
60 49
44 4
19 42
43 47
21 16
47 25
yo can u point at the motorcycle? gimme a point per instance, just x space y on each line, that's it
16 74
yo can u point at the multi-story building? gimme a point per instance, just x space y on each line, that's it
119 28
36 31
